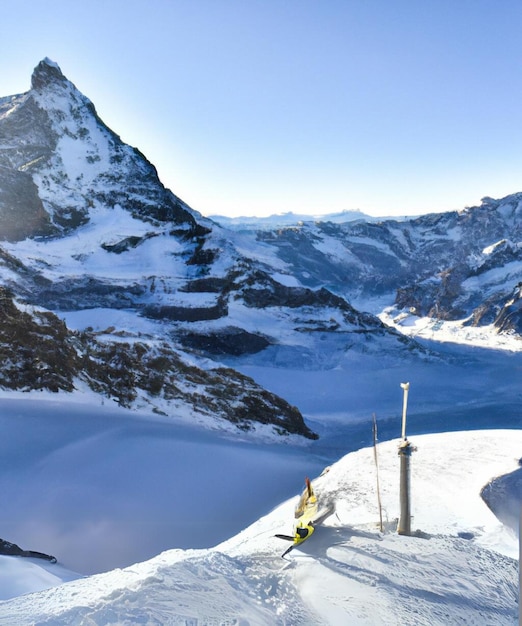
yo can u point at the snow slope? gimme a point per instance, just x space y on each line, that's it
461 569
450 331
24 575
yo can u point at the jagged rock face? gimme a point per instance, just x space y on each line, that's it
34 349
509 316
26 133
21 211
38 352
53 133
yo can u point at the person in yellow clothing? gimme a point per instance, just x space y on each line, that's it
305 513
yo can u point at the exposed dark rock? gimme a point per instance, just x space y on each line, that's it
68 218
37 351
509 318
487 312
11 549
21 211
209 284
87 292
504 252
27 138
230 341
185 314
259 290
46 73
203 256
122 371
126 244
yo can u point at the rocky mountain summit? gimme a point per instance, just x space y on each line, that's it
59 161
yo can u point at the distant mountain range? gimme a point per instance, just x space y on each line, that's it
283 220
459 265
111 282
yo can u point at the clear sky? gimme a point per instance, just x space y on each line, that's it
253 107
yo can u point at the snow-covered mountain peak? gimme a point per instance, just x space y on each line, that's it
53 134
88 226
56 94
47 73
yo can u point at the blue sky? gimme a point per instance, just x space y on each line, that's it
253 107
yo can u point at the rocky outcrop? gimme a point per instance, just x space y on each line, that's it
38 352
231 341
11 549
21 211
509 317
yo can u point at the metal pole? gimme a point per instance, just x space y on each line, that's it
405 387
405 450
377 471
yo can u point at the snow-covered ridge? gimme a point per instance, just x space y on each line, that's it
461 568
457 266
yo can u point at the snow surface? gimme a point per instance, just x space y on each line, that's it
457 571
450 331
102 489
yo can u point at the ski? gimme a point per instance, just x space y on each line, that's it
287 551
